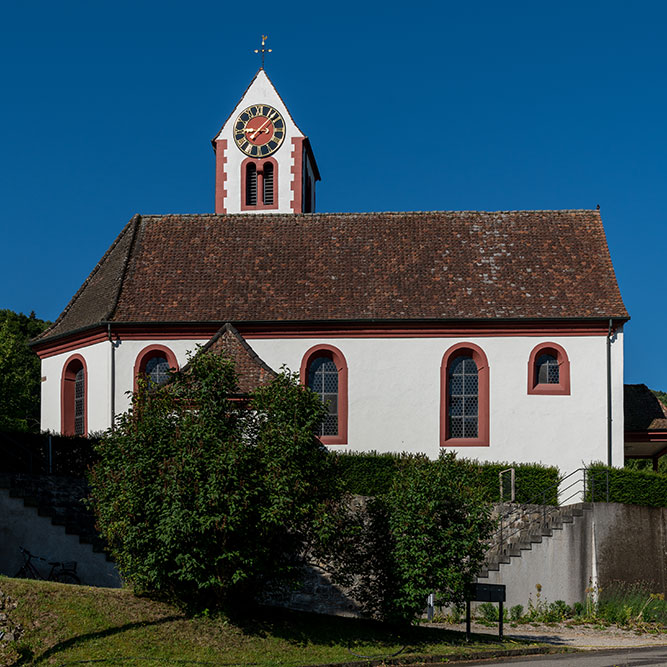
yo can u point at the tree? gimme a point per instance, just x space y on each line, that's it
427 534
19 372
206 499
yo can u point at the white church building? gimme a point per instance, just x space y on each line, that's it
496 334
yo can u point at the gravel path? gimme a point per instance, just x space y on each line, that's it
577 636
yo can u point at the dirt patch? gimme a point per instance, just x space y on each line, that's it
571 635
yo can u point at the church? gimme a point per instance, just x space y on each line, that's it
498 335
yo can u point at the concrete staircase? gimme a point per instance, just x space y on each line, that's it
521 526
60 499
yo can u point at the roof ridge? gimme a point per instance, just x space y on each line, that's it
364 213
136 221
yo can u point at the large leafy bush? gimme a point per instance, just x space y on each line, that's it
19 372
206 499
426 534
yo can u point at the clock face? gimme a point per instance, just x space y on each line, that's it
259 130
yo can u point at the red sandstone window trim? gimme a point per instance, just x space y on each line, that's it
259 165
67 394
563 386
341 365
147 354
476 352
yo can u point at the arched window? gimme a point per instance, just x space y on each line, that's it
251 184
154 363
268 184
464 397
546 369
549 370
259 183
157 369
74 397
324 370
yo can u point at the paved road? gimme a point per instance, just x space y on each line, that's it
637 657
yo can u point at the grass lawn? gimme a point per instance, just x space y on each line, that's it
64 625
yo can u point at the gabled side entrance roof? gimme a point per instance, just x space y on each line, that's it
251 370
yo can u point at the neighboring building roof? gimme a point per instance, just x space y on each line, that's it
642 409
251 370
460 265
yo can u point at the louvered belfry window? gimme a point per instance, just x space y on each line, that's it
463 398
79 402
547 369
157 370
268 184
251 185
323 380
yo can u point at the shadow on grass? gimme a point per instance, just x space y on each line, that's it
301 629
82 639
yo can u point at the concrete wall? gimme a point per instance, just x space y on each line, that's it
610 543
22 526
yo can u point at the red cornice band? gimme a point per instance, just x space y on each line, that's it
287 330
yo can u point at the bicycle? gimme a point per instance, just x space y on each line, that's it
61 571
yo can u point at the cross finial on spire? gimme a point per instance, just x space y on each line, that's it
263 50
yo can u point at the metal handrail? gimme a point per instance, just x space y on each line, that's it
499 538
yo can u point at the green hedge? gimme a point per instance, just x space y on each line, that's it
29 453
371 474
631 487
534 483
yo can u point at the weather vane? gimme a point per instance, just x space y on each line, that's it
263 50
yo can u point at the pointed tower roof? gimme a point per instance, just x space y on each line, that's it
260 127
260 89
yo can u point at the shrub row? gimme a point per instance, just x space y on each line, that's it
371 474
631 487
29 452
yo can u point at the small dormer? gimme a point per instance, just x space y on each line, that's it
263 162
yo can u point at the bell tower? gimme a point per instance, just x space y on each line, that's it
263 162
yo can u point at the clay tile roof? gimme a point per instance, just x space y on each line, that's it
455 265
251 370
642 409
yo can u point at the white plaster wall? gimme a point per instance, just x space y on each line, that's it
98 363
127 352
618 421
394 394
261 91
394 397
97 359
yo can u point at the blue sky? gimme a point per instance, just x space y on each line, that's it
108 110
